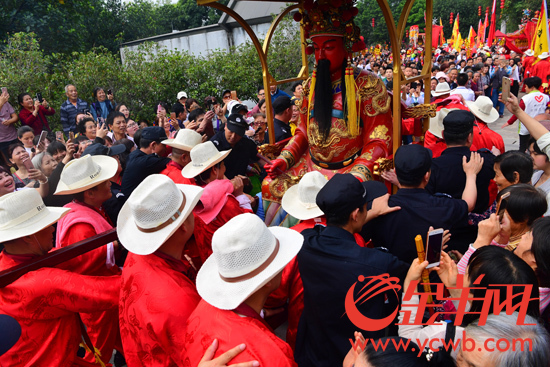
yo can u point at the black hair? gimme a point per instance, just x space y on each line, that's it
142 121
23 130
435 68
144 143
295 85
456 139
14 146
525 204
402 352
341 219
462 79
536 148
261 87
498 268
261 103
21 96
113 115
515 161
189 102
82 124
164 105
178 108
56 146
202 177
94 92
137 137
533 81
323 98
80 138
193 115
541 249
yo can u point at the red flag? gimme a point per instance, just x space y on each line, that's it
491 36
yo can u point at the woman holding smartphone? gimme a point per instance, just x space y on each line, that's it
103 105
33 113
26 175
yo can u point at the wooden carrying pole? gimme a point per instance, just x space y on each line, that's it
425 274
54 258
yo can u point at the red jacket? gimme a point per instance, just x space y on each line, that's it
39 122
156 298
207 323
45 303
173 170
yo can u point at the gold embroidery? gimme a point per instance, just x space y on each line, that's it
421 110
373 95
380 132
289 158
362 172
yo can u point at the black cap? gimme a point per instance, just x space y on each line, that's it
281 104
412 161
237 124
238 108
344 193
154 133
226 91
458 122
99 149
11 331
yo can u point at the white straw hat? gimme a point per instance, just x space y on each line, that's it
153 212
245 256
23 213
441 89
185 139
299 200
436 123
544 55
86 172
483 109
203 156
529 52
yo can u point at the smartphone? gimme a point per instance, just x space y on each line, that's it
433 247
110 91
505 89
71 136
39 97
4 90
28 164
501 206
159 108
59 135
43 135
234 95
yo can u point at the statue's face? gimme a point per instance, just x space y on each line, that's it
330 48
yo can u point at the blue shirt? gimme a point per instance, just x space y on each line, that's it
278 93
68 113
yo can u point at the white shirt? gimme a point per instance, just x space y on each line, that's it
468 94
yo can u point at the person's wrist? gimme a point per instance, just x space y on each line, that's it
44 181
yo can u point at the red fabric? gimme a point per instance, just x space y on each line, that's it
528 66
407 126
173 170
484 137
37 123
155 302
435 144
542 70
82 222
203 232
45 303
514 118
207 323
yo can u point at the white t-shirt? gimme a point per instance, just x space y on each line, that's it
468 94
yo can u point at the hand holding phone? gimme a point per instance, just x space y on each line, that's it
43 135
28 164
71 136
234 95
433 247
59 135
501 206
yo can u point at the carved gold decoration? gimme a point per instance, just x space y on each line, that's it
382 165
270 151
374 97
326 150
283 182
289 158
380 132
420 111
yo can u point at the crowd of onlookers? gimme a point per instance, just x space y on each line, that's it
195 272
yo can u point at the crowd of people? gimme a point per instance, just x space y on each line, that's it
196 278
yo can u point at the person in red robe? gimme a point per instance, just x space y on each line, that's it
484 136
45 302
234 283
222 199
542 69
158 292
88 180
181 145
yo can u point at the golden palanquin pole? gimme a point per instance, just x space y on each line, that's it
395 33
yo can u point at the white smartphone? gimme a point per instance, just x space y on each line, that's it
43 135
433 247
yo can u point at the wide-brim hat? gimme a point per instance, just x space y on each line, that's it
483 109
529 52
185 139
299 200
436 123
441 89
246 255
84 173
23 213
203 156
544 55
153 212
